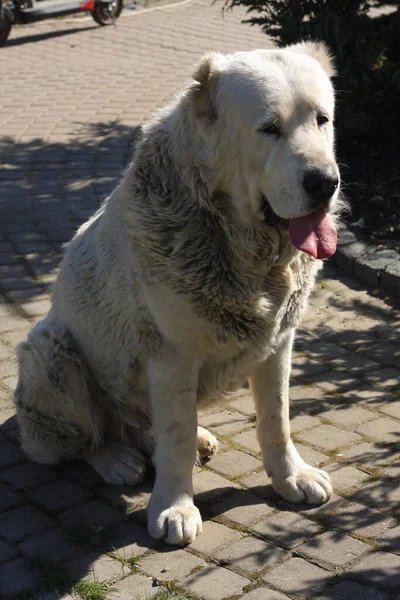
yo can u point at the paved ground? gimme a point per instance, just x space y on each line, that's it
72 95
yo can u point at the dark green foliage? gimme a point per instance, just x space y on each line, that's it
366 48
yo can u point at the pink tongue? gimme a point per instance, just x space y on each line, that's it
314 234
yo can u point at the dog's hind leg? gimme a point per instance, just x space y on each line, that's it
207 444
53 396
117 463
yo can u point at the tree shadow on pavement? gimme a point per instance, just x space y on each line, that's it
47 190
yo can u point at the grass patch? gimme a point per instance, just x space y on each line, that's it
171 592
91 590
80 535
131 562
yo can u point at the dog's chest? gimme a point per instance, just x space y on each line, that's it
279 307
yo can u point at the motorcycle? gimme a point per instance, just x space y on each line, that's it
22 12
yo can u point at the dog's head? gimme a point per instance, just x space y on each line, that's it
267 118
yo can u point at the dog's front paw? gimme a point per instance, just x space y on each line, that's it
177 525
306 484
295 480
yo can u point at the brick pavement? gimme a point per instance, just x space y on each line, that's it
72 95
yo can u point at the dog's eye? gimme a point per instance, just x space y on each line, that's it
271 129
321 120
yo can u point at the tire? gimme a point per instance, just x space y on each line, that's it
104 16
5 28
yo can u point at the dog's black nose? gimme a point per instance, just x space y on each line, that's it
320 184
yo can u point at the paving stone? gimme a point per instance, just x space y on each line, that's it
53 544
10 498
12 323
385 378
248 439
126 497
298 577
224 422
316 512
310 456
382 430
392 409
243 508
93 567
7 552
264 594
130 540
15 577
54 596
169 564
286 529
333 381
391 540
368 454
7 367
379 568
59 495
133 586
368 395
10 454
382 494
354 364
34 309
215 583
245 405
8 420
328 437
95 513
392 470
333 549
27 475
345 477
214 536
351 590
234 463
20 522
303 392
384 353
251 555
210 486
356 518
348 416
304 367
84 474
300 422
260 485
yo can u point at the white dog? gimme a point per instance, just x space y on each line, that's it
190 278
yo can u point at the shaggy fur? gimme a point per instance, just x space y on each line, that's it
178 288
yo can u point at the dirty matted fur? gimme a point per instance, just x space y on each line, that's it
184 284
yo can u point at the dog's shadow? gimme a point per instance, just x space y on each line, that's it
65 525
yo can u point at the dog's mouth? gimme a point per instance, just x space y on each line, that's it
314 233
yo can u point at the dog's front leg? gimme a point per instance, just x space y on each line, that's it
291 477
173 388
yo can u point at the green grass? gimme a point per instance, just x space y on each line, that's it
173 595
131 562
91 590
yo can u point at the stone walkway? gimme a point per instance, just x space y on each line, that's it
72 95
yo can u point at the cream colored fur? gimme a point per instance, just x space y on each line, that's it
176 290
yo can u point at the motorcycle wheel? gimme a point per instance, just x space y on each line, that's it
107 16
5 28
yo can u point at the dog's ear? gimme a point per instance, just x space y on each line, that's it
202 92
320 52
